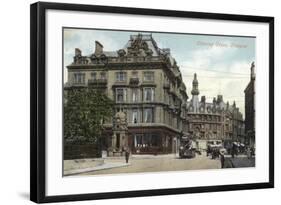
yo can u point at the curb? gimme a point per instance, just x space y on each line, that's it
97 168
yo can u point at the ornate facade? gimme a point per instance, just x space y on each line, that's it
215 120
146 84
152 109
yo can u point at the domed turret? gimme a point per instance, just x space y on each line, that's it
195 93
195 83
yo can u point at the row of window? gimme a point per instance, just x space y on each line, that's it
148 76
206 126
79 78
102 75
145 115
148 95
147 140
148 115
205 118
212 126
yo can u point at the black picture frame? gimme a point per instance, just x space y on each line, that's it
38 100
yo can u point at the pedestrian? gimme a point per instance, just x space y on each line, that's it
249 155
252 151
213 154
233 150
222 159
127 154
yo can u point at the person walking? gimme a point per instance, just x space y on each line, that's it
127 155
222 158
249 155
252 151
233 150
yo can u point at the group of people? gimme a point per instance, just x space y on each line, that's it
239 149
234 150
217 152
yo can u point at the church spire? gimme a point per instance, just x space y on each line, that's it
253 75
195 90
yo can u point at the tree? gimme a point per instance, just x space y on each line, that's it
85 110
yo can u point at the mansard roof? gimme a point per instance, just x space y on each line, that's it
142 41
139 45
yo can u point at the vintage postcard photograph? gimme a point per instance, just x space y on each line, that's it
143 101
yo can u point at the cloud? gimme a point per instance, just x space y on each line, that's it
219 71
85 41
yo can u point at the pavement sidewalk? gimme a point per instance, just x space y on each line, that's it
96 168
74 167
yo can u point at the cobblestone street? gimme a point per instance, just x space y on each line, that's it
149 163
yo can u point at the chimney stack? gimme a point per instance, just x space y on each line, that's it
78 52
98 49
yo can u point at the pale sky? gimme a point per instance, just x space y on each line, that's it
222 63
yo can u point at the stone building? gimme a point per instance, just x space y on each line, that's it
250 108
217 120
146 84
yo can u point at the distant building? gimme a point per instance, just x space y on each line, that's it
215 120
250 108
146 84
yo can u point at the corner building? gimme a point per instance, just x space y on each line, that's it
146 84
